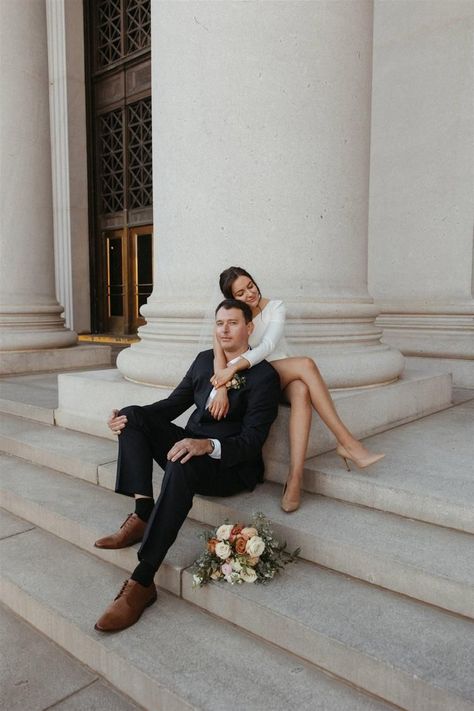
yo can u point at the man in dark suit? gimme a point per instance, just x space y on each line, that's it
209 457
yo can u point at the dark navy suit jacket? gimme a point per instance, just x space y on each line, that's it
242 433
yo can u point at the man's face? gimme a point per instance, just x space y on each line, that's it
231 330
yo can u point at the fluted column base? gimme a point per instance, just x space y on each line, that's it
31 328
341 337
442 331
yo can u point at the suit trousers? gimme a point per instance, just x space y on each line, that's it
149 436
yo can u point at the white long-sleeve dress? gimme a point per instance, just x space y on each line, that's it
267 340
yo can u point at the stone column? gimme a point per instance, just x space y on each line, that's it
67 102
30 316
261 136
421 247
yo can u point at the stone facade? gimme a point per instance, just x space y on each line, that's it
336 170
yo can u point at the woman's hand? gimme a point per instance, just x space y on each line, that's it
221 377
219 407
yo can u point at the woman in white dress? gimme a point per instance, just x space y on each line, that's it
301 382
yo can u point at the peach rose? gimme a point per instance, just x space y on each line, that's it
252 561
211 545
240 544
248 533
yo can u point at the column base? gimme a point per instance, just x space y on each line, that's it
341 337
32 361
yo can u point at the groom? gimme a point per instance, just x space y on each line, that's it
209 457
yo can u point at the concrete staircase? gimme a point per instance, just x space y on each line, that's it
377 614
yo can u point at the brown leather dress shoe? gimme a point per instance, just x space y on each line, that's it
127 607
131 531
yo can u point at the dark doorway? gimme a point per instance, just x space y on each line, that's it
118 71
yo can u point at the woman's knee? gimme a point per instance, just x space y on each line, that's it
309 365
299 392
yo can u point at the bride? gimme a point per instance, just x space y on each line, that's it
301 382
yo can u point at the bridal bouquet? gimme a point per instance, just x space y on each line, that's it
241 554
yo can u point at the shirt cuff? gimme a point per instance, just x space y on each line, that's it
216 452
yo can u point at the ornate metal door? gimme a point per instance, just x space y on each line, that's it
120 160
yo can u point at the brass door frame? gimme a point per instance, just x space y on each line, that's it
136 319
116 324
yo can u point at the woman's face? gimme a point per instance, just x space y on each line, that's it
244 289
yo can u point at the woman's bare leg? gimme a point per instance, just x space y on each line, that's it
305 369
297 394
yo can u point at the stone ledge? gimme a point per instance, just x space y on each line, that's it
86 400
29 361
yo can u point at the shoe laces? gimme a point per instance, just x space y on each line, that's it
122 589
127 521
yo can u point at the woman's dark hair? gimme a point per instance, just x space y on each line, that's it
236 304
228 277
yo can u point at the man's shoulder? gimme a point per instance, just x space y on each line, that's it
204 357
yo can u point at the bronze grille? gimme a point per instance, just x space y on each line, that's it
138 24
139 155
109 35
111 161
122 27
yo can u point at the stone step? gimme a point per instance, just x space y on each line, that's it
86 399
59 682
80 512
426 474
416 656
429 563
423 561
176 657
71 452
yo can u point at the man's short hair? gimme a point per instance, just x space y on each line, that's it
236 304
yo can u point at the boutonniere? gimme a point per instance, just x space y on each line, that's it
237 382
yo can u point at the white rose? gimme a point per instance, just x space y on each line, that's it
248 575
223 532
222 550
236 566
197 580
255 546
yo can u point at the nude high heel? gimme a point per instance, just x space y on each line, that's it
360 463
289 505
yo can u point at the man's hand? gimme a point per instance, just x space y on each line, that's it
188 448
219 406
116 422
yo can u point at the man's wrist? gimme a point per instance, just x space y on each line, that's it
211 446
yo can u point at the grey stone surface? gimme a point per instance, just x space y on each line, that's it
31 396
421 560
47 359
70 452
175 657
352 628
81 512
11 525
34 672
427 472
96 697
427 562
